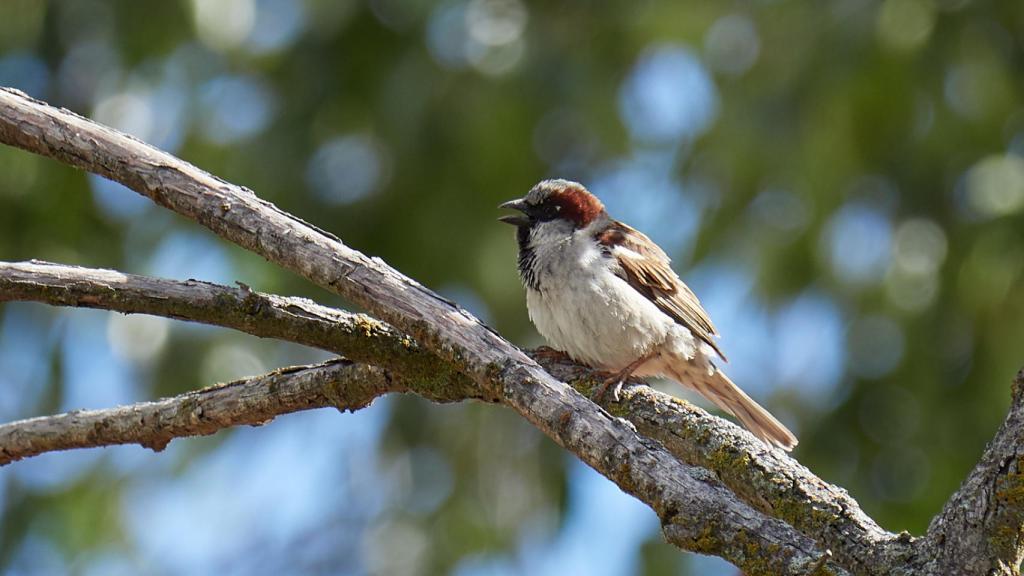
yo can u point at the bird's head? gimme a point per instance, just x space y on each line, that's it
561 202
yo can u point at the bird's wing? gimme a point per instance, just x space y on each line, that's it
647 269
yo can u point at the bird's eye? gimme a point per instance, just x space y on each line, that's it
547 211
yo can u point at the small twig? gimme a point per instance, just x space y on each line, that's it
250 401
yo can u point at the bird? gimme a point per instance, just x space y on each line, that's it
604 294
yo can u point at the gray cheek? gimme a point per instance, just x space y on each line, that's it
550 270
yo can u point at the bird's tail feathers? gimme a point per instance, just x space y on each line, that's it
718 388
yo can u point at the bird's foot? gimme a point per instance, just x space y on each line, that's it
616 380
614 383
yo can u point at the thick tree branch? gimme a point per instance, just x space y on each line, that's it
251 401
766 479
981 528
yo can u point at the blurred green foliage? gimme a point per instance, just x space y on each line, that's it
858 165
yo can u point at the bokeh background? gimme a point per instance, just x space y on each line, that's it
841 181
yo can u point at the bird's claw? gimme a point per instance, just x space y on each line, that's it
615 383
616 388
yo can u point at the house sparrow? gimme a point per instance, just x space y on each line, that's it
604 294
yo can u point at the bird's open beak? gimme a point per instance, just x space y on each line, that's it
515 219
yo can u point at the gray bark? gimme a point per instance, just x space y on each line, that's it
980 529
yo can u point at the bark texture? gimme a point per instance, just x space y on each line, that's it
981 528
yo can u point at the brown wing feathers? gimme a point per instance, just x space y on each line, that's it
647 269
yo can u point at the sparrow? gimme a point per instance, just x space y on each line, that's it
603 293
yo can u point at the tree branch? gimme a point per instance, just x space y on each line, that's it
981 528
253 401
766 479
358 337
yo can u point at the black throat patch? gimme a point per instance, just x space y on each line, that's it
527 259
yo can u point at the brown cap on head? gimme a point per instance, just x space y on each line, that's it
552 199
